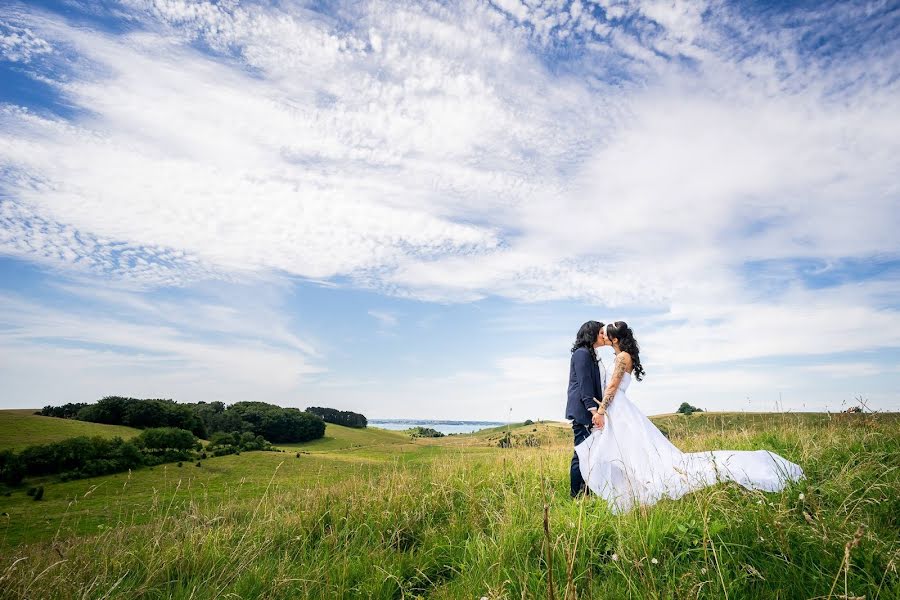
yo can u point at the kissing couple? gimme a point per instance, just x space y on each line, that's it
621 456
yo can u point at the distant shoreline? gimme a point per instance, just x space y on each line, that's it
445 426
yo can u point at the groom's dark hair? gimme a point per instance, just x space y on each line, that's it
587 336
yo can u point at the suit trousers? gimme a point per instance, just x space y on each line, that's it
582 432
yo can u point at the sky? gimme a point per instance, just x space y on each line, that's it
407 209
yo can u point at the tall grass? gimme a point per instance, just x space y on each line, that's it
462 524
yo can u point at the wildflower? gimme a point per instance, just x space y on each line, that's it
802 496
759 501
615 556
654 561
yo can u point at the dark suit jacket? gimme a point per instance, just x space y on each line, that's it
584 386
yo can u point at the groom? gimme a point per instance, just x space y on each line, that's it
586 386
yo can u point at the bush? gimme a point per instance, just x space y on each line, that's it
165 438
687 409
425 432
12 468
339 417
221 443
73 458
528 422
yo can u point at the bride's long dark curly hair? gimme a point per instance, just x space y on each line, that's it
587 337
622 332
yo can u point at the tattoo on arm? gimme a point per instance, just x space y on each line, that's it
614 381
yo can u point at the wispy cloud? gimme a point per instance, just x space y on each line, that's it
118 341
634 155
384 318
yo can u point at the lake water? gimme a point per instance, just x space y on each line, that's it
446 427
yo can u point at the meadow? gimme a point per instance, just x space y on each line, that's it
375 514
21 428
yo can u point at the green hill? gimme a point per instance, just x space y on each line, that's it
371 513
338 437
21 427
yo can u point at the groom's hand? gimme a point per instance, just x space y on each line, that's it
598 420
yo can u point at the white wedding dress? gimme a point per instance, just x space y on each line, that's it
630 462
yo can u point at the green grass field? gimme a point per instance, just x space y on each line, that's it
373 514
21 427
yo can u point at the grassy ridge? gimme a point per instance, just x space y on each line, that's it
338 437
21 427
461 518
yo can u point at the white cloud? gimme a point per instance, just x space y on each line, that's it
436 152
385 319
118 341
439 177
20 44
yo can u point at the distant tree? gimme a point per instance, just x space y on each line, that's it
212 414
528 422
274 423
165 438
108 410
72 458
425 432
66 411
687 409
134 412
339 417
277 424
12 468
167 444
222 443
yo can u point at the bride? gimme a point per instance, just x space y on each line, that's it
627 461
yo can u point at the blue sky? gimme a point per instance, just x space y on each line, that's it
408 208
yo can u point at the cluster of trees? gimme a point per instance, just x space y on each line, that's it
66 411
339 417
133 412
274 423
424 432
84 456
233 443
687 409
90 456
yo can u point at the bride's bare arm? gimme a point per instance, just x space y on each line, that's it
622 365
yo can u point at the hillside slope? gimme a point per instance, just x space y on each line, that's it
338 437
21 427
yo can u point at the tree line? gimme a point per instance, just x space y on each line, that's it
274 423
339 417
85 456
171 432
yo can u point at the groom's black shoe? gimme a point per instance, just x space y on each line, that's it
578 486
